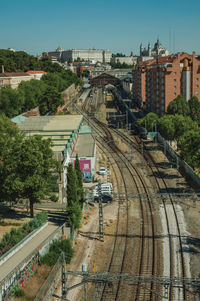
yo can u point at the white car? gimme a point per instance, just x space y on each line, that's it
102 171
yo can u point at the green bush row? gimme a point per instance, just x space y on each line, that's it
58 246
12 238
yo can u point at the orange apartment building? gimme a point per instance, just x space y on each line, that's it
157 82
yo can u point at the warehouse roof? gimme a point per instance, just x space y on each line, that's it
59 128
84 147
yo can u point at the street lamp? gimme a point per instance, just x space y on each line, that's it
155 121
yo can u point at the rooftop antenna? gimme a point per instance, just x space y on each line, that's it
174 41
170 37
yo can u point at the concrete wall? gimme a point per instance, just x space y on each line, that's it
70 92
24 271
24 241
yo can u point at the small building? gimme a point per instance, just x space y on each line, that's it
13 79
36 74
85 147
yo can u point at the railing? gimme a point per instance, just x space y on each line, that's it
49 285
20 244
11 274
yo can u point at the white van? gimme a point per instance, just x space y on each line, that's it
106 192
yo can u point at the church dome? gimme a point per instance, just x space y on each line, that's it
59 49
158 45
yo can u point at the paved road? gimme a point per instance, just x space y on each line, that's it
26 250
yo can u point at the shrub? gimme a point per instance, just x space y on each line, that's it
10 239
54 198
58 246
50 258
19 292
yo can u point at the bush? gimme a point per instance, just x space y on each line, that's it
19 292
54 198
50 258
10 239
58 246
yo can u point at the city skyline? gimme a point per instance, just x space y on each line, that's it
37 27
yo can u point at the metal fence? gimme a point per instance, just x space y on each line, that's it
184 168
50 284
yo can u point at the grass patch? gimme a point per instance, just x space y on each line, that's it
4 224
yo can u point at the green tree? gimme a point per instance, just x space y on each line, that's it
36 164
73 206
183 124
167 128
31 91
50 101
194 108
10 141
74 214
71 185
80 190
26 169
178 106
149 121
86 73
189 145
11 102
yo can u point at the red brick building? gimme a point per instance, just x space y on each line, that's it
157 82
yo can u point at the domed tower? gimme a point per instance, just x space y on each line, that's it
141 49
149 49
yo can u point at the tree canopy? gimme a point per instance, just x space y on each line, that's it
32 93
167 127
189 144
50 100
178 106
26 165
74 195
194 108
80 191
149 121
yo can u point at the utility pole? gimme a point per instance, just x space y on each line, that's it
64 278
101 233
127 119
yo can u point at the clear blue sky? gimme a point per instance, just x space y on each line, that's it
41 25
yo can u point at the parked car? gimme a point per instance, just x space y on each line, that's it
106 198
88 179
102 171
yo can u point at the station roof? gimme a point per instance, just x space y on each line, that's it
58 128
84 147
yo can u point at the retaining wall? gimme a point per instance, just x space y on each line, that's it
25 269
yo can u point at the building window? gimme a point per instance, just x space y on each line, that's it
174 80
197 93
174 73
174 87
197 86
174 93
197 79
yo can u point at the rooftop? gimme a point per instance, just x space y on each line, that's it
35 72
59 128
13 74
84 147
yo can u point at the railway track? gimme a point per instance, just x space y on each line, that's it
146 256
174 294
